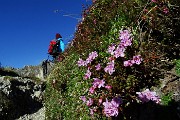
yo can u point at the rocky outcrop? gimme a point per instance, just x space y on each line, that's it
29 71
20 96
22 91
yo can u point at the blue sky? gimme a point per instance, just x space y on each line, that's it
27 26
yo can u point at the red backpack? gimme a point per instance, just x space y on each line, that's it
52 47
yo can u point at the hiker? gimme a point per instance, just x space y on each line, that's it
44 66
56 46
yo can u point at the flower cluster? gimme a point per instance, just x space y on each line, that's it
110 67
136 60
125 37
126 40
88 102
116 51
147 96
87 74
98 84
111 108
91 57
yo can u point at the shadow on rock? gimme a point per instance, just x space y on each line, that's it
20 97
151 111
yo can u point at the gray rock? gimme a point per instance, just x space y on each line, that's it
20 96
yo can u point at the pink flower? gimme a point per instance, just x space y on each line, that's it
87 74
166 10
93 55
125 38
92 89
100 101
126 42
110 68
111 58
91 111
111 49
108 87
94 21
124 35
98 83
110 109
119 52
137 59
88 60
147 95
98 66
81 62
128 63
83 98
154 1
89 102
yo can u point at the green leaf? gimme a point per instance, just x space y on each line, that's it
177 67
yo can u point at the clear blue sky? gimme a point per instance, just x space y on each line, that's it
27 26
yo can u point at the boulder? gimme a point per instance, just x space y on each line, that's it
19 96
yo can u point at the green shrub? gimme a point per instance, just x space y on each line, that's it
178 67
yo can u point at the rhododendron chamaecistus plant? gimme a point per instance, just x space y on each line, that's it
109 68
136 60
87 74
91 57
109 108
147 95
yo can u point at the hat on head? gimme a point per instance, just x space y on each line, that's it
58 36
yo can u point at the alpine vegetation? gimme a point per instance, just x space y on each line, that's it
119 64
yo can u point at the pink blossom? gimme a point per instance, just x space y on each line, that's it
83 98
92 89
166 10
91 111
111 58
111 49
128 63
89 102
100 101
126 42
110 109
154 1
148 95
94 21
98 66
87 74
81 62
108 87
124 35
93 55
88 60
119 52
98 83
137 59
110 68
